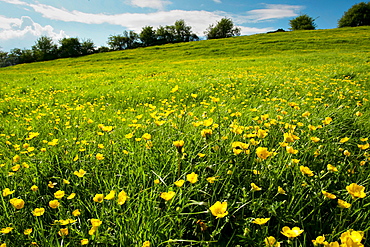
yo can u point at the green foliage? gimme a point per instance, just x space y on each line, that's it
357 15
302 22
223 29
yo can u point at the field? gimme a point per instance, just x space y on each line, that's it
259 140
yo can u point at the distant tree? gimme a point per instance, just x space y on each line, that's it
45 49
182 32
70 47
357 15
4 59
17 56
117 42
87 47
223 29
165 34
302 22
102 49
131 38
148 36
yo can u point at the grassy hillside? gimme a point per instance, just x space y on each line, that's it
211 143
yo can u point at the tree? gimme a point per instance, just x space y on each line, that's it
87 47
70 47
357 15
131 38
183 32
45 49
165 34
223 29
148 36
117 42
302 22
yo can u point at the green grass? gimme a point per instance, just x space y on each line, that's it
254 88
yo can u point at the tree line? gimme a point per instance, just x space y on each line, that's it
45 49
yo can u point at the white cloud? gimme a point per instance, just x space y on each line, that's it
18 28
273 11
154 4
217 1
198 20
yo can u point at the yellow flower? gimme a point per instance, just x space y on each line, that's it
96 222
98 198
346 153
38 211
16 158
255 187
76 212
343 204
343 140
175 89
291 150
54 203
147 136
306 171
219 209
352 238
356 191
34 188
17 203
261 133
63 232
179 145
319 240
51 184
260 221
315 139
192 177
27 231
122 197
84 241
146 244
364 146
6 230
291 233
7 192
208 122
306 114
328 195
289 137
79 173
206 133
211 180
281 191
327 120
271 242
110 196
59 194
263 153
331 168
99 156
179 183
156 181
71 196
168 195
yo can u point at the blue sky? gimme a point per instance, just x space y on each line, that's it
23 21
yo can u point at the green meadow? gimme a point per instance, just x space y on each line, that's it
258 140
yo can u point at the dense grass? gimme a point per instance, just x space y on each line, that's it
117 115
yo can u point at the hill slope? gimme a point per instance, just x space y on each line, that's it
211 143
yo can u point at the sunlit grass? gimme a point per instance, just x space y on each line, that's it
248 141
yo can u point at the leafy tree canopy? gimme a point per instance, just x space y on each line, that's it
223 29
357 15
302 22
